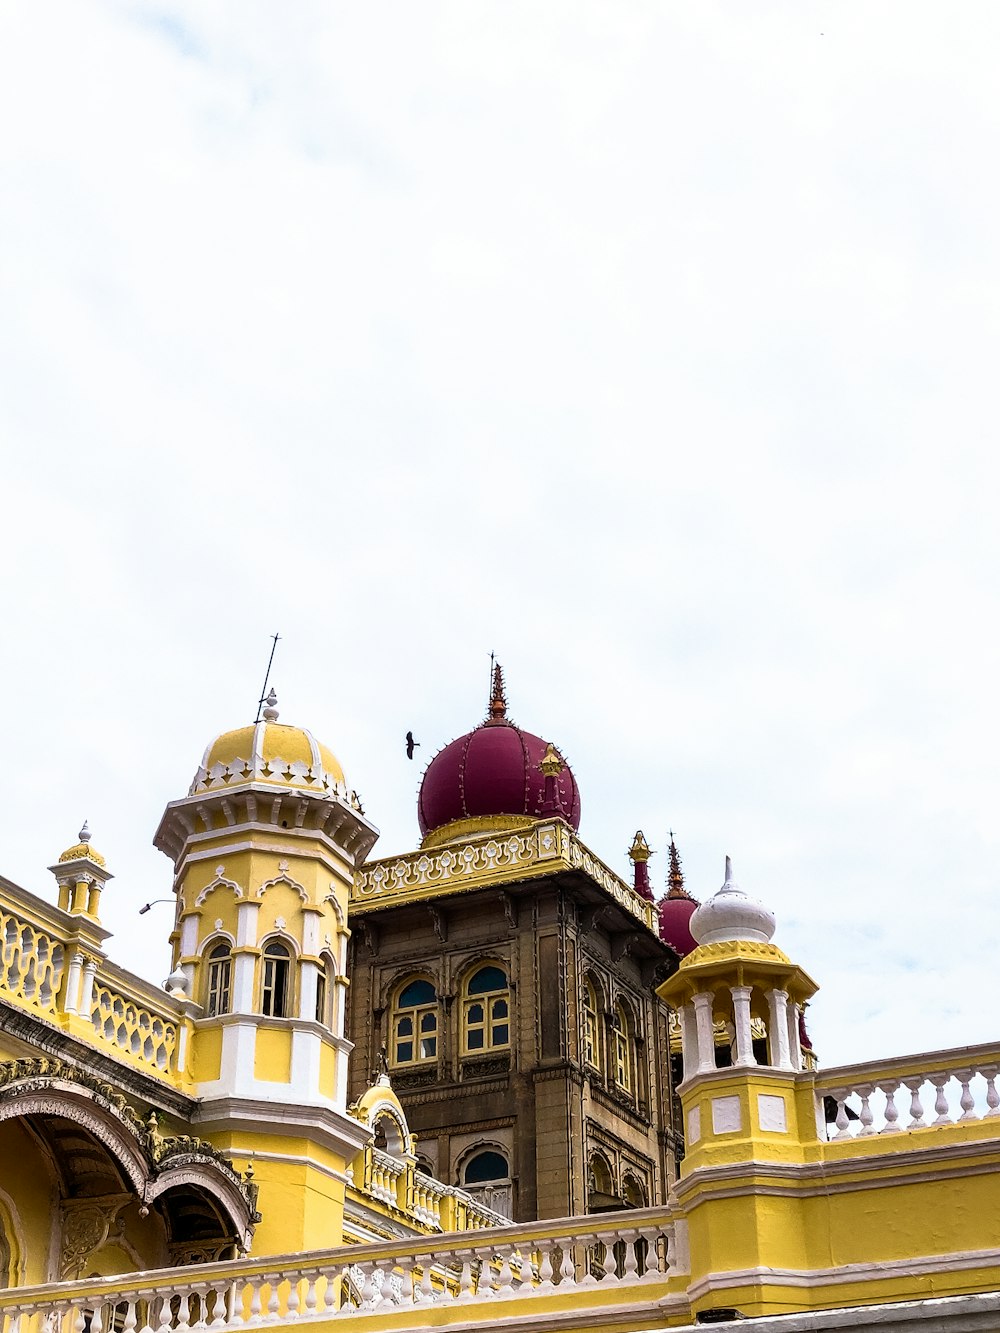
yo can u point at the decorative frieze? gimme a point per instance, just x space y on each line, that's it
543 849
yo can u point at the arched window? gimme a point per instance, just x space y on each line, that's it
484 1167
219 981
486 1011
601 1183
276 976
624 1049
415 1023
486 1176
324 991
592 1046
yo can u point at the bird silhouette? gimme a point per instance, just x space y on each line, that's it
411 744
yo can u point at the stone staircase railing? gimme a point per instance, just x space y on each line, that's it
625 1254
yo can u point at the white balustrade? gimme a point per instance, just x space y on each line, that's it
911 1093
514 1265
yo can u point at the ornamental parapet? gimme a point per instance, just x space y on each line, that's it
497 858
53 967
624 1260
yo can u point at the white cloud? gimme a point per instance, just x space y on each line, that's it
652 348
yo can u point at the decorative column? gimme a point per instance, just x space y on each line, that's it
87 993
794 1044
689 1038
705 1034
71 1001
741 1019
777 1001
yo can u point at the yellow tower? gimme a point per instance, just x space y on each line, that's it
749 1115
264 848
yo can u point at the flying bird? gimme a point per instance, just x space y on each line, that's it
411 744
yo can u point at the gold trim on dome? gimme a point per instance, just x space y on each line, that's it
82 852
724 949
475 824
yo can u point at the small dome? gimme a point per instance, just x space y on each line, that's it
674 928
732 915
269 752
496 773
82 850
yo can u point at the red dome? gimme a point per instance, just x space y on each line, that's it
675 913
493 770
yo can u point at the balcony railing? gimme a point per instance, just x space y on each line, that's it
624 1254
51 966
912 1092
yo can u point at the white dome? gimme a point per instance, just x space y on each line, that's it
732 915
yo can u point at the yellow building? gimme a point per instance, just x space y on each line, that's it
188 1157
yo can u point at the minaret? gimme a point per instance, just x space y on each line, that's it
264 847
640 853
746 1121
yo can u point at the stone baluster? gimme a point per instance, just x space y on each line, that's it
941 1116
331 1292
567 1269
630 1272
368 1289
426 1285
183 1306
842 1121
966 1100
311 1277
867 1116
989 1073
466 1281
406 1281
292 1304
505 1277
891 1109
255 1300
545 1269
916 1106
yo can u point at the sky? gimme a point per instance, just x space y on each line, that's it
651 347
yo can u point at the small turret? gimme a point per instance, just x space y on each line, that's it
81 873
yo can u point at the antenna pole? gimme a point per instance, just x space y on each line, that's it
267 676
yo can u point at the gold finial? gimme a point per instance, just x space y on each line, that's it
551 763
498 698
640 849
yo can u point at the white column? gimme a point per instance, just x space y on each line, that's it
71 1002
87 993
689 1039
741 1019
705 1034
794 1044
777 1001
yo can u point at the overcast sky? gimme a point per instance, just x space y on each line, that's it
651 346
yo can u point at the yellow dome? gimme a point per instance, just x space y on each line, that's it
269 752
82 849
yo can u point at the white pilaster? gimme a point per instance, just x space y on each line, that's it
87 990
72 1001
794 1044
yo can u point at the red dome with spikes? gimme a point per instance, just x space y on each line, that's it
677 909
497 770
